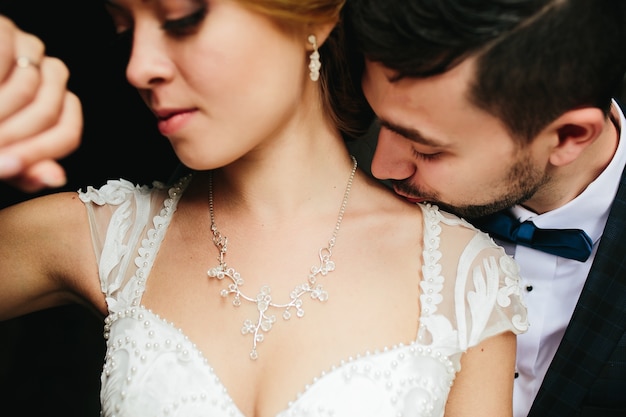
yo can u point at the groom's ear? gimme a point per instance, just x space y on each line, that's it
574 131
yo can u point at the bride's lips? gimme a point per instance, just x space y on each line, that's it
171 120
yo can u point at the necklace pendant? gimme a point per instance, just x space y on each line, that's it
264 322
263 300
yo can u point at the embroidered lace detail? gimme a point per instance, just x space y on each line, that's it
432 282
512 287
150 246
116 251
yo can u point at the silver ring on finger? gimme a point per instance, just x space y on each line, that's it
25 62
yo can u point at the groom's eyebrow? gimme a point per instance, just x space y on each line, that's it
413 135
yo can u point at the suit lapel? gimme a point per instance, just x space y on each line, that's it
597 324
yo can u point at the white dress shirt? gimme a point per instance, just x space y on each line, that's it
553 284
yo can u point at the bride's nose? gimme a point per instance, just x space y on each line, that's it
149 62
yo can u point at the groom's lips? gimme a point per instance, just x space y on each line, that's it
410 199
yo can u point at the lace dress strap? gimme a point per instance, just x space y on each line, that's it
474 292
128 223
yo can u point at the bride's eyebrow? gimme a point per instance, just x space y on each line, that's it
112 4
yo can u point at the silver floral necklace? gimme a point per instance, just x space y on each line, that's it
263 300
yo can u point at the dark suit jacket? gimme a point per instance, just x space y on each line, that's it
587 377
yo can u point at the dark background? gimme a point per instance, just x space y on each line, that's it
50 361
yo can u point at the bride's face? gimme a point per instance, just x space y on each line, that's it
220 78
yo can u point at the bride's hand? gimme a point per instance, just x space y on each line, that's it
40 119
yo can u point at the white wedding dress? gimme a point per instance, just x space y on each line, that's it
153 370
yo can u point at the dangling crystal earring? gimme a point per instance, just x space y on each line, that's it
315 64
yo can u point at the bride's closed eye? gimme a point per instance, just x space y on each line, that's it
186 25
176 27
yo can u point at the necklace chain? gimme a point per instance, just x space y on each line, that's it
263 300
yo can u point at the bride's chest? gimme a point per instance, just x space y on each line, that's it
153 368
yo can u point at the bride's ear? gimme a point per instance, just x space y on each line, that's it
321 33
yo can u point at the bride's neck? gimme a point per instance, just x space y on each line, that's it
282 188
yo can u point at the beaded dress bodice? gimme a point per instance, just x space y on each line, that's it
152 369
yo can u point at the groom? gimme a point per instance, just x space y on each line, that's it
506 107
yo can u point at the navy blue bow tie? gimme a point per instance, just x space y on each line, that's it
567 243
